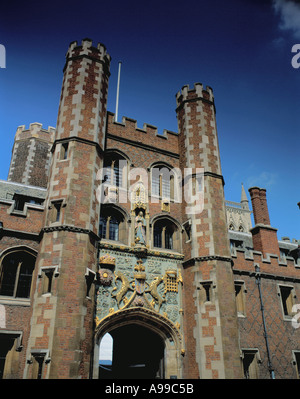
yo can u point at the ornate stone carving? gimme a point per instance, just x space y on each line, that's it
141 281
119 295
105 276
107 260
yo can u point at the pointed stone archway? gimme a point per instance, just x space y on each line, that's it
146 345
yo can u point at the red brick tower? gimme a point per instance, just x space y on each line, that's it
62 318
211 330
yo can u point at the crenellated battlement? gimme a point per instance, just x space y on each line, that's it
87 49
188 94
148 134
147 128
285 265
35 130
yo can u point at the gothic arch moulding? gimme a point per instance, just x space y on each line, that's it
115 152
171 336
19 248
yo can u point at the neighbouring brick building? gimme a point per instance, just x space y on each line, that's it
110 228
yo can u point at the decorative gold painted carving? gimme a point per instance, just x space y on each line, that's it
124 288
107 260
125 300
179 279
97 321
139 195
165 206
140 269
141 290
153 292
139 266
170 280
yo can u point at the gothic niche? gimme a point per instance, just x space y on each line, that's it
140 227
140 216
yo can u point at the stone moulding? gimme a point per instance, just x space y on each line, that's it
141 251
74 229
141 315
192 261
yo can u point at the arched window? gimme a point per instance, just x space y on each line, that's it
169 237
109 227
166 235
16 274
112 224
163 182
115 169
114 228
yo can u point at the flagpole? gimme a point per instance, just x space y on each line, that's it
118 88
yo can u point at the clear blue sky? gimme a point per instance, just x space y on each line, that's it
241 48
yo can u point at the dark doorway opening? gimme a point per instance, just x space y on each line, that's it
138 353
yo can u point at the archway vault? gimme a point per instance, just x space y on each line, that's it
159 324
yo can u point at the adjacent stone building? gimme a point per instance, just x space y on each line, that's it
107 228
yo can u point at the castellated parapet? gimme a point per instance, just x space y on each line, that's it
86 49
35 130
186 93
127 131
31 155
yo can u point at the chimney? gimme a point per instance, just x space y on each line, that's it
264 236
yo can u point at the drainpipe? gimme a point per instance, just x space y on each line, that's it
258 282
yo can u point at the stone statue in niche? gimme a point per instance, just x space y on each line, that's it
140 229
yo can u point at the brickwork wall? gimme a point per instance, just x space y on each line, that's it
265 240
31 221
283 338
